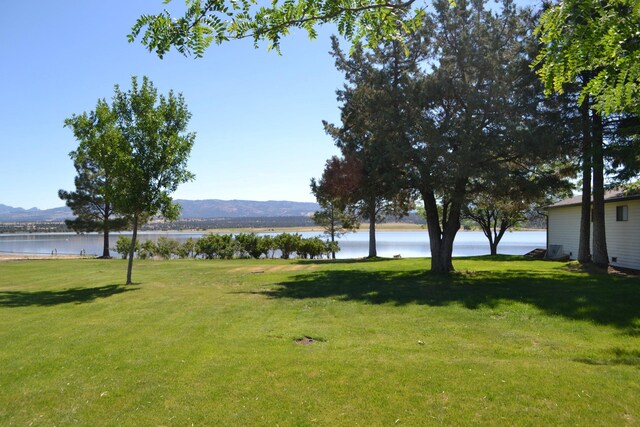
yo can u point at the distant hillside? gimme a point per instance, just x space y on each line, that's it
190 209
11 214
244 208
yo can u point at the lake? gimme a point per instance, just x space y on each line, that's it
354 245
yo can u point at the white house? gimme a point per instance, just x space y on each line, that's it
622 222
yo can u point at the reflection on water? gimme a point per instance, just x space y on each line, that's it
389 243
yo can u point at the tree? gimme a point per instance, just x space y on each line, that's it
368 135
594 43
506 202
287 243
476 113
207 21
146 149
333 193
89 202
594 38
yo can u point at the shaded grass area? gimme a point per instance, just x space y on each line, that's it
598 297
504 341
74 295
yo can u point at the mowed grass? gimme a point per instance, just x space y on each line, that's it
504 341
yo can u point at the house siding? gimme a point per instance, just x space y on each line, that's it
623 237
564 229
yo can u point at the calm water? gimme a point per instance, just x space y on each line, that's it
354 245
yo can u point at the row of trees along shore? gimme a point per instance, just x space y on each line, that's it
478 112
227 246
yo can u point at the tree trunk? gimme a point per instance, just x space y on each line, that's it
373 251
132 249
494 248
600 254
105 231
105 243
441 239
333 242
584 245
504 226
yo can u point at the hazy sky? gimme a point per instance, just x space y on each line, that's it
257 115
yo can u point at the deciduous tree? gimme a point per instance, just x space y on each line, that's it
216 21
148 147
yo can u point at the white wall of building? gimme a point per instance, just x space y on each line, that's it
564 229
623 237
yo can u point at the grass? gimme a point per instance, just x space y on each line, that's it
505 341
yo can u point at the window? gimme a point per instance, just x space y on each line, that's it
622 213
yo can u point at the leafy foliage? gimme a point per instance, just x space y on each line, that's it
123 246
217 21
597 38
142 143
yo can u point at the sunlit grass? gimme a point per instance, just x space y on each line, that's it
504 341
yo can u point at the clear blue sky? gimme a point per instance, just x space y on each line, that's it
257 115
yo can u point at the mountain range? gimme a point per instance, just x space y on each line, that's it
211 208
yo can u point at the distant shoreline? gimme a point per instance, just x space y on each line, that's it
383 227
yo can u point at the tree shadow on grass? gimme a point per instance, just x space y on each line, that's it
599 298
49 298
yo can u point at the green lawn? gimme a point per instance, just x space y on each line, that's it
505 341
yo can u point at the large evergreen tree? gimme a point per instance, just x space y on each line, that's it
90 204
477 120
94 162
371 117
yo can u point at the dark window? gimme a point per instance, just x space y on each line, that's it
622 213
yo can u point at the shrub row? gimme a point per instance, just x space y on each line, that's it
227 246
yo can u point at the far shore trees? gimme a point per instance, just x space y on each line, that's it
148 148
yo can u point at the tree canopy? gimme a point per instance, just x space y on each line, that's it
216 21
142 140
90 202
601 39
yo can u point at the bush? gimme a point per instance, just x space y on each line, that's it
187 249
287 243
216 246
248 245
166 247
330 248
123 245
147 249
267 246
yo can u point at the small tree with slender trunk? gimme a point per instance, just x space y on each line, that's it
333 192
152 154
145 150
